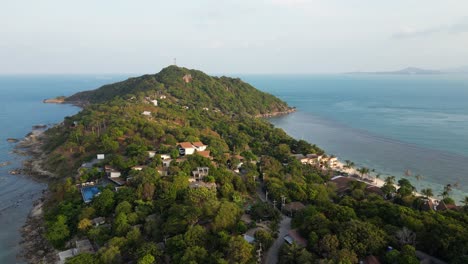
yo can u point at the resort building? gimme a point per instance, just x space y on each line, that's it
111 172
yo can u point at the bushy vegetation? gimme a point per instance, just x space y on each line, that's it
155 218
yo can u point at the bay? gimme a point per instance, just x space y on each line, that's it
390 123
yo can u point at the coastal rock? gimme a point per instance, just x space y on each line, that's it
278 113
41 126
35 248
6 163
15 172
12 140
57 100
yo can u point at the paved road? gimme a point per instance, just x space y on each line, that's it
272 254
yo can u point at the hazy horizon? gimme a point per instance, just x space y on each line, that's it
231 37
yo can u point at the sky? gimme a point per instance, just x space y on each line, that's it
231 36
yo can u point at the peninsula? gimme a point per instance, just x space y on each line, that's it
180 167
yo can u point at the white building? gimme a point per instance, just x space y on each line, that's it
155 102
199 146
146 113
186 148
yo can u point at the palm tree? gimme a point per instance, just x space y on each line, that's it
390 180
418 177
427 192
363 171
465 201
446 192
348 164
377 176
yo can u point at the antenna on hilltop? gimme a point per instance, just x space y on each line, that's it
175 61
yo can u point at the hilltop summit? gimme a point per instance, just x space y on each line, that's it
189 88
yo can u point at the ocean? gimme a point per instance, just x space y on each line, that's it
390 123
21 107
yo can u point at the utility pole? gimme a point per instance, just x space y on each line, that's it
259 254
175 61
274 203
283 201
266 195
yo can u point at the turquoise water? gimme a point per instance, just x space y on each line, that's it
21 107
389 123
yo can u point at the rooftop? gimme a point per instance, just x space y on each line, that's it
185 145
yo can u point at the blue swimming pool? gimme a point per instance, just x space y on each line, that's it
89 192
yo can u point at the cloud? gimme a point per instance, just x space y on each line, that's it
456 28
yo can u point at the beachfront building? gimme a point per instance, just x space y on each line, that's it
333 162
311 159
301 158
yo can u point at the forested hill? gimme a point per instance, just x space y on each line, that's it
181 182
191 88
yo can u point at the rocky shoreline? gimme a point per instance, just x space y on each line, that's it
278 113
34 247
63 100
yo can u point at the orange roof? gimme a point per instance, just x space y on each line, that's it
185 145
198 144
205 153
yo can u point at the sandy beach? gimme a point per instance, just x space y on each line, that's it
371 178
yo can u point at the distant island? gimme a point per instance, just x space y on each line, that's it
405 71
417 71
